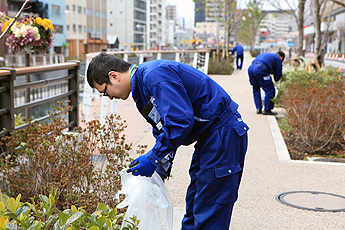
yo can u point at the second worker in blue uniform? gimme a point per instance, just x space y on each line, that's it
239 55
259 76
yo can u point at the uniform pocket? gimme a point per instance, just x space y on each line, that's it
241 128
223 184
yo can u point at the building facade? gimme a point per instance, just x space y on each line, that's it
76 35
156 20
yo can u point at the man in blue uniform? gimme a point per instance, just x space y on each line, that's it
239 55
259 76
184 106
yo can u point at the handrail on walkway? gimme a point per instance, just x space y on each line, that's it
7 88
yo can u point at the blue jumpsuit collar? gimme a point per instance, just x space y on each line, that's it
133 82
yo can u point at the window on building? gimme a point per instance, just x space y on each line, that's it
58 29
80 29
89 12
56 10
79 9
73 8
67 27
111 12
74 28
111 24
67 7
96 13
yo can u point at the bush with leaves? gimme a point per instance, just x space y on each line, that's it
15 214
315 106
223 67
45 156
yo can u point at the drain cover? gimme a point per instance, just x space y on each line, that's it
315 201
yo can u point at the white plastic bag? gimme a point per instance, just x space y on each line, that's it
148 199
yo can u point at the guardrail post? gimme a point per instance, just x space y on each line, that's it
73 84
195 60
207 59
7 102
177 56
141 58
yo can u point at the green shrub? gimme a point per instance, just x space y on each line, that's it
223 67
15 214
44 157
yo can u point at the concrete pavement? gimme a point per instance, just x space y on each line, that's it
268 170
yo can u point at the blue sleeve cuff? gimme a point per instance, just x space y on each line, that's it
153 158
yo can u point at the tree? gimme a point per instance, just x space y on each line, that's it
297 12
251 22
223 11
229 20
319 9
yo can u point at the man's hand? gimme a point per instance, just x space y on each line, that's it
141 166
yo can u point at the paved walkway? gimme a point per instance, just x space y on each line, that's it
266 173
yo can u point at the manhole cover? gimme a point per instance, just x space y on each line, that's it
315 201
340 160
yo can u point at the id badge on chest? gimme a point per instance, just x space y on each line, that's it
150 112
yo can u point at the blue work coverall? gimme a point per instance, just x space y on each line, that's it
259 76
185 106
239 55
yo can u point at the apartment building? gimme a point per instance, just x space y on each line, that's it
171 13
127 20
86 26
275 26
156 19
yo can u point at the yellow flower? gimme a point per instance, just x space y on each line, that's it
39 21
47 24
6 24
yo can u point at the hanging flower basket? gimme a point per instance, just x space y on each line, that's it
31 33
195 42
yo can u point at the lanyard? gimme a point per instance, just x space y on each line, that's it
134 66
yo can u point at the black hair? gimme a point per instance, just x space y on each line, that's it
101 65
281 54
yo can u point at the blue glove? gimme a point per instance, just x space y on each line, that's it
141 166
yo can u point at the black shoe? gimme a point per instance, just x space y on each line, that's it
259 111
268 112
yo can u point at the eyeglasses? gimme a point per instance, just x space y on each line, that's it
105 94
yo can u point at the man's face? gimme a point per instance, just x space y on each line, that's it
116 89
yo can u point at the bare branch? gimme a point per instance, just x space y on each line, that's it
15 18
338 2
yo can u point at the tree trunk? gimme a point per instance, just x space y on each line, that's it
317 25
301 5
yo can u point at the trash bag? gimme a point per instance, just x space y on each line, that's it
148 199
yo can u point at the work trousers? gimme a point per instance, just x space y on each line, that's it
259 78
215 172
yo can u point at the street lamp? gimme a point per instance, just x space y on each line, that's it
143 26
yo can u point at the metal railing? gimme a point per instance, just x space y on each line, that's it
18 60
7 91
